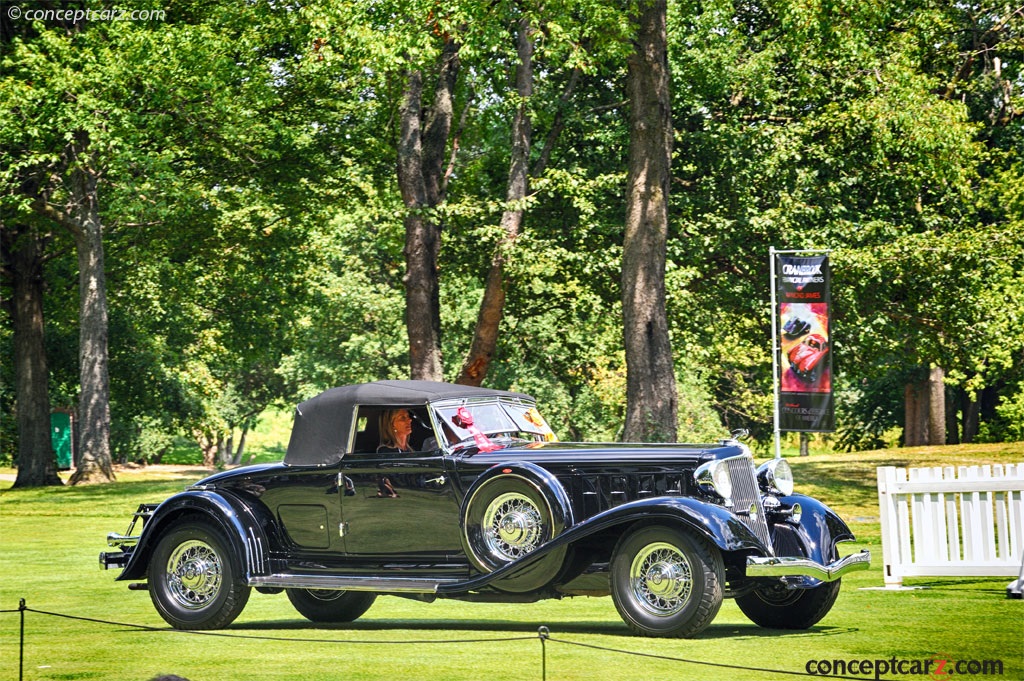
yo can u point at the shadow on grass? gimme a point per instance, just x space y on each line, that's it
556 628
982 585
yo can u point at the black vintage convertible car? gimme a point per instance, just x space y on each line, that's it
488 506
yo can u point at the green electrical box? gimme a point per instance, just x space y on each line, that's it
60 434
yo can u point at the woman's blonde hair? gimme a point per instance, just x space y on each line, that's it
388 436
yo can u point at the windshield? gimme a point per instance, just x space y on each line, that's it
489 424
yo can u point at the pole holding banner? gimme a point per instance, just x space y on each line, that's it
801 342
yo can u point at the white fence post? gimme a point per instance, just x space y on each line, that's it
937 522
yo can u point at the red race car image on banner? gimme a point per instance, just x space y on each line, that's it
805 357
806 366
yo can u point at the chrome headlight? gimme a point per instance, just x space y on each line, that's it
775 477
713 476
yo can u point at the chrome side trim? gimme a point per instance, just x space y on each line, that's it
771 566
254 553
350 583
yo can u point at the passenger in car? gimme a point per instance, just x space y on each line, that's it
395 429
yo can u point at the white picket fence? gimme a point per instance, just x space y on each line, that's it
941 522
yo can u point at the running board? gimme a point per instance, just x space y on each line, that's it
350 583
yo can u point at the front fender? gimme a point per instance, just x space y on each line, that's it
715 523
816 535
236 518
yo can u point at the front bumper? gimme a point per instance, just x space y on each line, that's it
790 567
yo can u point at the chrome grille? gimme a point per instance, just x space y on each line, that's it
745 496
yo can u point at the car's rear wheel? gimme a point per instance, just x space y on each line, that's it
666 582
777 607
508 517
193 581
326 605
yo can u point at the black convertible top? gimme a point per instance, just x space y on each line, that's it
323 423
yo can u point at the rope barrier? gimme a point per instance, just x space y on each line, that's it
222 634
543 635
717 665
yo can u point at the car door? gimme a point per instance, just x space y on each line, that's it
400 505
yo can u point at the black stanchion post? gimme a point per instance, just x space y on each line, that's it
21 641
543 633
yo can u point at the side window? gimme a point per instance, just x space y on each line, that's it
422 437
367 431
368 435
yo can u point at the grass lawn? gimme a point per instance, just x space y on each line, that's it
50 540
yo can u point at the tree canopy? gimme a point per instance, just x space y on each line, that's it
253 190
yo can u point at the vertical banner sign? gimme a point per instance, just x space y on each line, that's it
805 357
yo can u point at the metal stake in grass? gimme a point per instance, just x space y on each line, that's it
543 633
21 640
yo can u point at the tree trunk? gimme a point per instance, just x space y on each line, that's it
94 463
488 323
936 407
207 442
915 422
805 444
237 458
23 258
225 446
953 416
421 154
925 410
651 398
972 418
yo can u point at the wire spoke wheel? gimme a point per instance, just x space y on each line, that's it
666 581
513 526
329 605
194 574
662 579
776 607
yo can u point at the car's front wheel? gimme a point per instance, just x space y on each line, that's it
193 582
666 582
777 607
324 605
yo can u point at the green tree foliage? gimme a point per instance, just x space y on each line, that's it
824 125
254 229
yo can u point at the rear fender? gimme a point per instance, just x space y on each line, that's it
237 520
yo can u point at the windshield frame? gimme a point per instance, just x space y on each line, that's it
512 409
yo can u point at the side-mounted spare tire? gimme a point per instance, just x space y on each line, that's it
509 512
